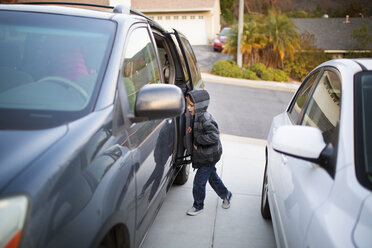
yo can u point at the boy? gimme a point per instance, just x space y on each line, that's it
206 149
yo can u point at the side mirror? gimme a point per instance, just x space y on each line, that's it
305 143
158 101
299 141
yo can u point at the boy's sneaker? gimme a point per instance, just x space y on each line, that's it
226 201
193 211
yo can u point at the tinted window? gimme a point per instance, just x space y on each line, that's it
140 64
300 100
195 74
51 67
363 124
324 107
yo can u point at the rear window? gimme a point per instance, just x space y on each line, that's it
51 67
363 130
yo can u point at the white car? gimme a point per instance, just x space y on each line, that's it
317 186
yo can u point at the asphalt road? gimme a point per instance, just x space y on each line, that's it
245 111
206 57
241 111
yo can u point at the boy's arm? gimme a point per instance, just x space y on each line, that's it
212 134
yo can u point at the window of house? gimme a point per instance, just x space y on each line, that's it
184 17
201 17
167 17
192 17
175 17
160 17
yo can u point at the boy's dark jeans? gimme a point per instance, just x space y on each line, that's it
203 174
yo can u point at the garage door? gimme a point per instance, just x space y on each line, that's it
192 26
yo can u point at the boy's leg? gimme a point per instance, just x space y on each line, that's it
198 190
217 184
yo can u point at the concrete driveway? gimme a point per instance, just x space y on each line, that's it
241 169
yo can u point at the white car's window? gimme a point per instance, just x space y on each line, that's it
140 64
301 98
323 110
363 131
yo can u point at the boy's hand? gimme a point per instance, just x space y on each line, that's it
188 130
195 147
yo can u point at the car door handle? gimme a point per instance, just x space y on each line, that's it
284 159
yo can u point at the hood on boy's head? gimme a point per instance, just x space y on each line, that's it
200 98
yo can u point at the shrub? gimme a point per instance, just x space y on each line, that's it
258 68
280 76
227 69
304 62
248 74
268 74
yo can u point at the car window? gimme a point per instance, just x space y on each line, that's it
140 65
324 107
299 103
195 73
363 124
185 75
51 66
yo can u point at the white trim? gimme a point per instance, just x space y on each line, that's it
347 51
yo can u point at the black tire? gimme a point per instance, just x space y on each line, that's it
265 208
183 175
116 238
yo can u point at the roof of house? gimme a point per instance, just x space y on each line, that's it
173 5
333 33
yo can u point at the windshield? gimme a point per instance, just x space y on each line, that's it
225 32
51 67
363 131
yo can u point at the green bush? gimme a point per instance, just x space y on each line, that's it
303 63
248 74
268 74
280 76
258 68
227 69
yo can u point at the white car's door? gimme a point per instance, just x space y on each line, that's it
301 186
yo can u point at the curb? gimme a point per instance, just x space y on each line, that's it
283 86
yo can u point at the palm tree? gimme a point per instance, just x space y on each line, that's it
253 41
282 39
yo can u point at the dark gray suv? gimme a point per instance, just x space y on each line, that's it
91 123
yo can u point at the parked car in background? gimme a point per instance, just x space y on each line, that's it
91 123
317 183
221 39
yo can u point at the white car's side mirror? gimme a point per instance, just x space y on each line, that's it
305 143
299 141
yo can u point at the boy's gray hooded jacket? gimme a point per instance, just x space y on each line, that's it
205 134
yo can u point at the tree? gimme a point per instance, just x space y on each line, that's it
362 35
282 39
266 39
226 10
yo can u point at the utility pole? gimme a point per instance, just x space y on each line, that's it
240 32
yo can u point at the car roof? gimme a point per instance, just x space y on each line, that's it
81 9
355 65
54 9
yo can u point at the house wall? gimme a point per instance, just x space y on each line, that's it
197 26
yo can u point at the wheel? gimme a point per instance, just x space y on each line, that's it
265 209
116 238
183 175
65 82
